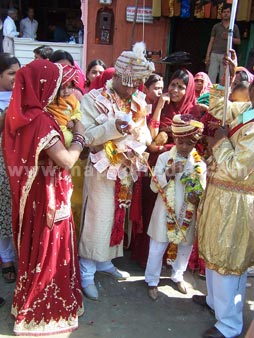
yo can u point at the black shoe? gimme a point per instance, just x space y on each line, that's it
152 292
201 300
213 332
2 301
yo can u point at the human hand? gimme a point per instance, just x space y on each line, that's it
70 124
167 129
78 127
2 119
207 60
193 198
162 100
175 168
219 134
202 107
231 61
123 127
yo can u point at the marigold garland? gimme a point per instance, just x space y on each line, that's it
177 231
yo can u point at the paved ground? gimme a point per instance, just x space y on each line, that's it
125 311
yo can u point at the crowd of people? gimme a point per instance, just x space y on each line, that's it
155 172
27 27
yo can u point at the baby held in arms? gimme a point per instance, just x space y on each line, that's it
66 107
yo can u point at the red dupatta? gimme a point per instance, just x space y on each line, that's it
186 106
35 86
100 81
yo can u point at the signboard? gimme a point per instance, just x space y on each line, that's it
144 14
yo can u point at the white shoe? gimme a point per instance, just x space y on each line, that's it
250 271
91 292
116 274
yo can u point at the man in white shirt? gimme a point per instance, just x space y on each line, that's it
10 31
28 25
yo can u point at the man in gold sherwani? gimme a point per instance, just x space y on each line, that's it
226 216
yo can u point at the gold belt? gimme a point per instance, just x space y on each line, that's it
232 186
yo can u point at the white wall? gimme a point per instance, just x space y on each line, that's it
23 50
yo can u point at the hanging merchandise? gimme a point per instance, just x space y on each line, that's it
156 8
171 8
244 10
185 9
214 11
177 7
207 10
165 8
199 9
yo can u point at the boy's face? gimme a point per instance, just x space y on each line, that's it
184 145
67 89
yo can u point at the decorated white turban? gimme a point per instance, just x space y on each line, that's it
186 126
133 67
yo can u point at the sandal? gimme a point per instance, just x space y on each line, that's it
9 274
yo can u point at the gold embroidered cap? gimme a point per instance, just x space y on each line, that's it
185 126
133 67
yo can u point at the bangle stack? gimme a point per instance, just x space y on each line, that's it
78 139
154 124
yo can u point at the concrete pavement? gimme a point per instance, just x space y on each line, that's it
125 311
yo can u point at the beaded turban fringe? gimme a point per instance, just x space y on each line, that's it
133 67
186 126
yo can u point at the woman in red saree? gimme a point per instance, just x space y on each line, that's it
47 297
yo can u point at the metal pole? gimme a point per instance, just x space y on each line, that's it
133 24
84 18
229 46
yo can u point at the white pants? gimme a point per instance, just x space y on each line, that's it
155 257
226 295
8 45
215 67
88 267
6 250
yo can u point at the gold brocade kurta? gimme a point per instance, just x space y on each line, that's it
226 212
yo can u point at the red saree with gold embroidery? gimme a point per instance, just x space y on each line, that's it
47 297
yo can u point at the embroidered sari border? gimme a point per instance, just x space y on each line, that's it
237 187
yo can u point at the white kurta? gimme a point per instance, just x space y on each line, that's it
98 196
157 229
9 33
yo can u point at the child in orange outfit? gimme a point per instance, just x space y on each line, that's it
66 107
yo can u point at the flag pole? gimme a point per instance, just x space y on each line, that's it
229 46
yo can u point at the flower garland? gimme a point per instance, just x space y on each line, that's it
177 231
126 160
124 104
